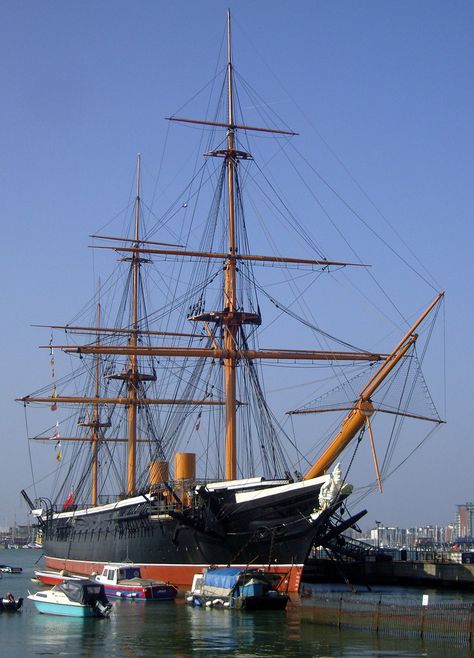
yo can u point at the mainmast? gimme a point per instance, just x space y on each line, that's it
133 378
230 326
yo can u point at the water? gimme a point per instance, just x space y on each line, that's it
173 629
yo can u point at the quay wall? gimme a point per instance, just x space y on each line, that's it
433 572
421 572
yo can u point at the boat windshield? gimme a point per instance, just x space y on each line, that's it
81 592
128 573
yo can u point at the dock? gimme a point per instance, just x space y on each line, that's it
435 573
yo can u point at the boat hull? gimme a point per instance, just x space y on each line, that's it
171 553
63 610
150 593
267 529
54 577
240 602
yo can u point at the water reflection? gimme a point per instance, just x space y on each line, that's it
65 636
171 629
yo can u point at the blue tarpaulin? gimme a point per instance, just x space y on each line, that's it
225 578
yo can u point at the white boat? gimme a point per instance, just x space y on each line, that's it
5 568
125 581
47 577
73 598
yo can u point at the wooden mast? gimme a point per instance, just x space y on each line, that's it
95 424
133 377
230 306
94 436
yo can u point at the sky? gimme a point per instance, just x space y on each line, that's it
385 88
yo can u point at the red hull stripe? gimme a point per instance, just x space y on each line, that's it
50 580
180 575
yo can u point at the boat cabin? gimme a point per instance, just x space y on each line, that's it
115 573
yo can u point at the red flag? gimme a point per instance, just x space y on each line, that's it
69 501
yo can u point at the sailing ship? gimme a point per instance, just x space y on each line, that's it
170 512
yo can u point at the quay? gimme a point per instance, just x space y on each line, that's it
435 573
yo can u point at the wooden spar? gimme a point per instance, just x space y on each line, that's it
223 256
125 401
113 330
230 287
374 454
250 355
85 439
325 410
356 419
351 425
109 237
380 374
232 126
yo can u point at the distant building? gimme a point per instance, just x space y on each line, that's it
449 534
464 523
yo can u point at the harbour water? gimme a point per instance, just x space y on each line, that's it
173 629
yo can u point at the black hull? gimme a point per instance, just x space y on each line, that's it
168 541
276 530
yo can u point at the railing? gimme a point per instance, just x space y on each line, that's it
166 503
403 617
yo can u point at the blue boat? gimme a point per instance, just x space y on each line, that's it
241 589
73 598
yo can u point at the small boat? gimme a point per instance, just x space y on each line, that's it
5 568
9 604
56 577
73 598
242 589
125 581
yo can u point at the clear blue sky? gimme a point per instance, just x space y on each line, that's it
388 85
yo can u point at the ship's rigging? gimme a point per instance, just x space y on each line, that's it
168 382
